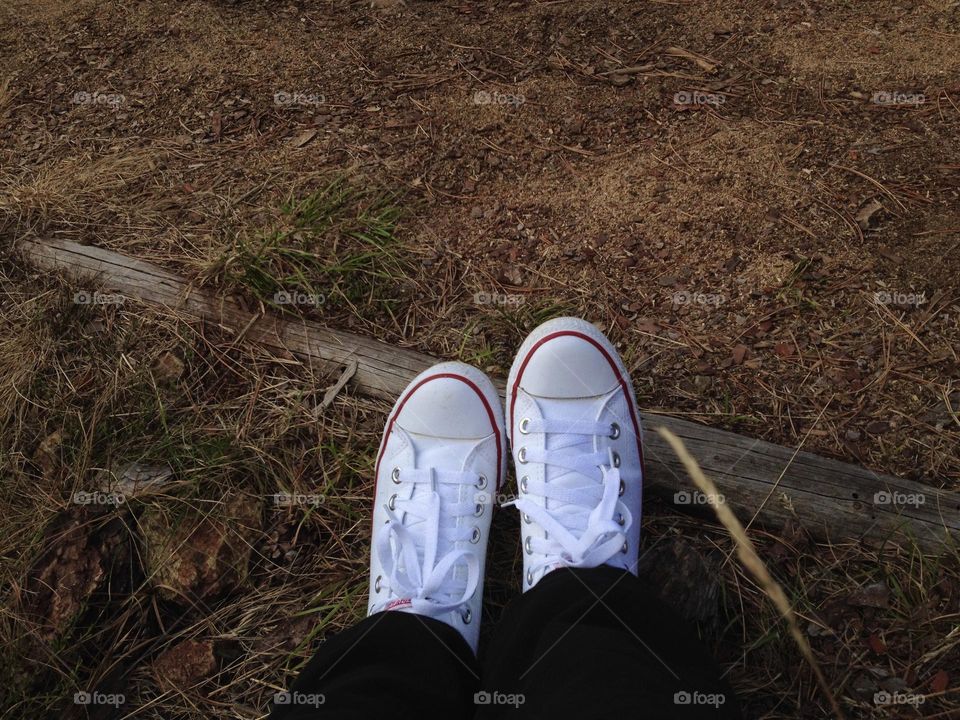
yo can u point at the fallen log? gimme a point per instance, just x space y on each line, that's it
834 501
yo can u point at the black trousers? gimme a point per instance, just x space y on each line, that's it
582 644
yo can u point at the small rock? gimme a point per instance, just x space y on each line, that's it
894 684
48 453
702 382
199 554
864 687
168 367
182 665
876 595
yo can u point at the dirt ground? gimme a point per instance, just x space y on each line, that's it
758 201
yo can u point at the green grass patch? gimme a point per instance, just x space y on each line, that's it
336 246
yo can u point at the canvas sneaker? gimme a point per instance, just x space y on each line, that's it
441 462
576 441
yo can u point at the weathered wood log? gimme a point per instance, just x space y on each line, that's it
835 501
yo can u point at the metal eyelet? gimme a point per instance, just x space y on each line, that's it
614 431
623 488
395 475
392 503
624 548
523 484
526 545
479 511
482 482
524 424
376 585
621 520
466 615
522 456
529 577
475 538
616 460
526 518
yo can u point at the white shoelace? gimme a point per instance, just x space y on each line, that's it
588 524
419 564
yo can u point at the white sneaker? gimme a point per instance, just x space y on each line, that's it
577 445
441 461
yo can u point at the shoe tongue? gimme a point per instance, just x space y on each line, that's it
448 454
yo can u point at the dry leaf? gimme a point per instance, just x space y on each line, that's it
877 644
303 138
784 350
739 354
940 682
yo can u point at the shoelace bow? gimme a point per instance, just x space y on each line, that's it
423 529
588 523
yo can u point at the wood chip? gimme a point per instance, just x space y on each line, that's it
866 213
335 389
703 63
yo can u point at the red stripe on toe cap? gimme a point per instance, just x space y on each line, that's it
409 394
613 365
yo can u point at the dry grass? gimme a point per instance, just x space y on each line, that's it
595 196
230 421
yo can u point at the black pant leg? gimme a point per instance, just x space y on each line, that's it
569 654
391 664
